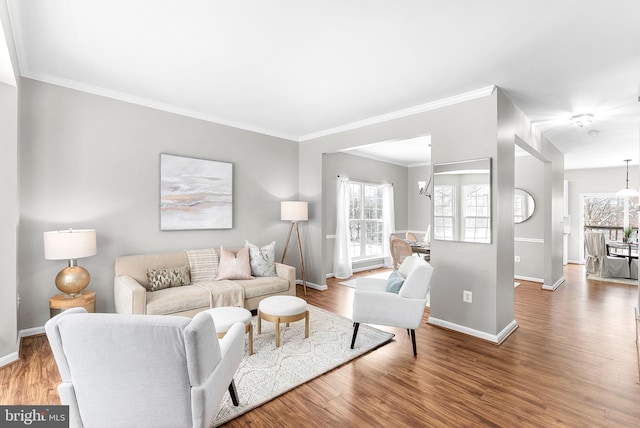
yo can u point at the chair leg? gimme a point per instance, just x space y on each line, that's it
413 341
233 393
355 333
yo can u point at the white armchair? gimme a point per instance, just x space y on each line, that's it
373 304
143 370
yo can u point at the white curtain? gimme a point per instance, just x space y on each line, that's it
341 257
389 222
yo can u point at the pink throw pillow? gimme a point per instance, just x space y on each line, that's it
234 266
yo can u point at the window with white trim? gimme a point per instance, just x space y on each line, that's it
477 222
443 211
365 220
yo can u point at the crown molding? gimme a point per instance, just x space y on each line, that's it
96 90
434 105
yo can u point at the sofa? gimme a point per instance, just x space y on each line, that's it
133 292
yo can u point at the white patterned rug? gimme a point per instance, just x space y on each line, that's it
352 282
272 371
618 280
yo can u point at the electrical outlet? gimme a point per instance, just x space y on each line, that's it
467 296
517 259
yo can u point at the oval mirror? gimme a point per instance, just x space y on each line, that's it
523 206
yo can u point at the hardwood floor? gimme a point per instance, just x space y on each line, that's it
572 362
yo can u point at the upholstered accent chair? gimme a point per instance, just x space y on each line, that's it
143 370
400 249
373 304
599 263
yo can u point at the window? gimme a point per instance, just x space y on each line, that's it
477 222
610 214
443 211
365 220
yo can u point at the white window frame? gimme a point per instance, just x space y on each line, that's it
364 222
442 230
470 213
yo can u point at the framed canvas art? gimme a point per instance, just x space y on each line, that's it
195 193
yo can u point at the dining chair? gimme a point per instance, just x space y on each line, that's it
400 249
599 263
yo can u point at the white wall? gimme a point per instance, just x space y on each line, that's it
92 162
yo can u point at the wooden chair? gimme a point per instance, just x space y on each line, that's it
411 237
400 249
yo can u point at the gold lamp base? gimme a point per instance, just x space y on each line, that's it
72 280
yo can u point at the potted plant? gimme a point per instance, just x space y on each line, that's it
627 233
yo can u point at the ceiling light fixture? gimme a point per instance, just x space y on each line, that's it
581 120
626 192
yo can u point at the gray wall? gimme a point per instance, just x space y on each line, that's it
9 213
92 162
529 235
468 130
8 218
420 207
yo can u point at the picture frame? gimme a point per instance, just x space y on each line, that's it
195 194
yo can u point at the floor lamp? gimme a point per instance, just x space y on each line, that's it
295 211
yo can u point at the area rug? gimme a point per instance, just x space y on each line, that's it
618 280
352 282
272 371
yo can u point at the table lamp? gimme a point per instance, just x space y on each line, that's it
70 245
295 211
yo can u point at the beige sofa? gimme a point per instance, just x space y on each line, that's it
132 297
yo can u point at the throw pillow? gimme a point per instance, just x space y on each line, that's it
262 259
203 264
234 266
165 278
394 282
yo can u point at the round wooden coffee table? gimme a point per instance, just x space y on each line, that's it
283 309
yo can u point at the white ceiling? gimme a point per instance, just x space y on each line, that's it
298 69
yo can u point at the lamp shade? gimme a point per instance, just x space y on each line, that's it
294 210
626 193
69 244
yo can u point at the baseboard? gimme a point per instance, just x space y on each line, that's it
529 278
493 338
8 359
553 287
576 262
314 286
30 332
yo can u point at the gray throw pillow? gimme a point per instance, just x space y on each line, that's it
165 278
262 259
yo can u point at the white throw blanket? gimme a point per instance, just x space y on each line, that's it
223 293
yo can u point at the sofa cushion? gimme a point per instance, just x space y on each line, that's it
234 266
177 299
263 286
262 259
203 264
169 277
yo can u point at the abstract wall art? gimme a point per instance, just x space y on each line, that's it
195 193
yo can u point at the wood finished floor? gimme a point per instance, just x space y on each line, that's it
572 362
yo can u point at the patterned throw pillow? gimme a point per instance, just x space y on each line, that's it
262 259
203 264
234 266
165 278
